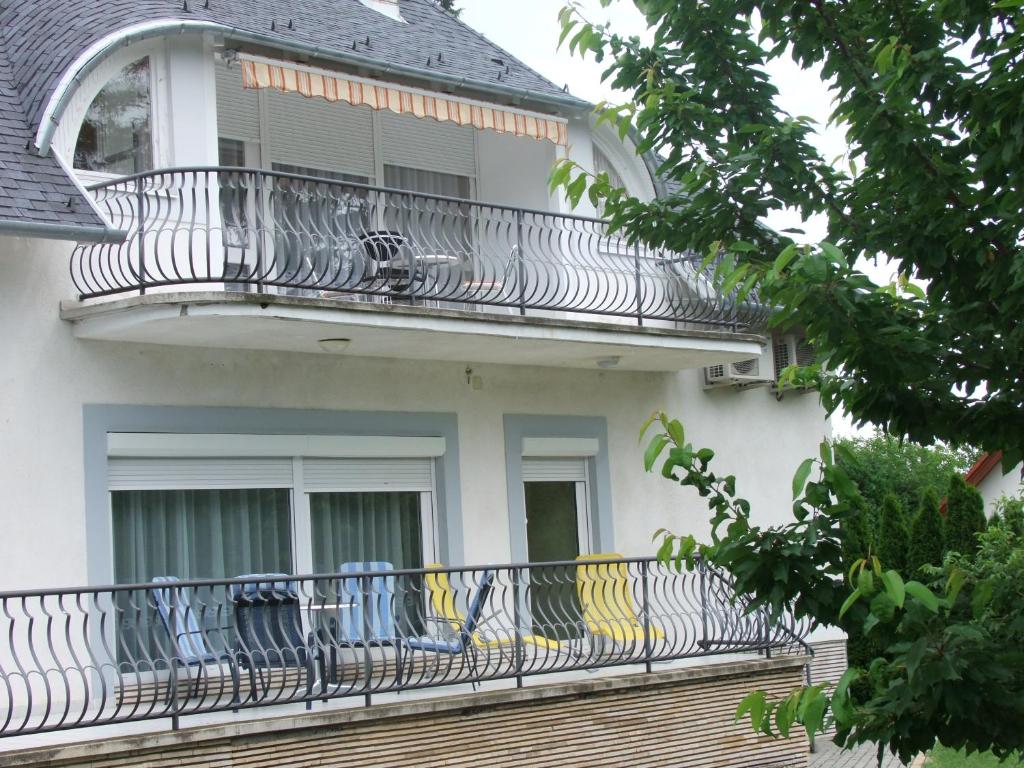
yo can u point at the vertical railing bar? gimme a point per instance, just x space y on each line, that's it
260 213
702 569
639 293
646 610
520 266
364 588
141 229
520 650
172 614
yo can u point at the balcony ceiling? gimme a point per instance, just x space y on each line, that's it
297 324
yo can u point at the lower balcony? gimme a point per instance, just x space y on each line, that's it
180 651
231 257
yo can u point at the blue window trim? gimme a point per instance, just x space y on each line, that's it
519 426
99 420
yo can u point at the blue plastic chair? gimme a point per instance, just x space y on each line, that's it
188 640
366 615
269 624
462 643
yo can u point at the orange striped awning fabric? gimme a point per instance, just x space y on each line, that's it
357 91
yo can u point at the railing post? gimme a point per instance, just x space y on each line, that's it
364 589
639 293
702 568
261 215
172 680
517 574
646 610
140 203
520 266
767 635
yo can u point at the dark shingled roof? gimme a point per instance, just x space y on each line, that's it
33 190
41 38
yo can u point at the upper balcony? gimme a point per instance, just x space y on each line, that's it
214 252
271 204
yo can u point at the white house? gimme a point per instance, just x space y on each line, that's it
992 483
283 287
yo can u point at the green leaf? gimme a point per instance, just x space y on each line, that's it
923 595
848 604
654 449
647 424
814 714
800 478
894 587
676 432
842 709
753 703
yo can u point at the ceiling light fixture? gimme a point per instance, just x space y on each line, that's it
334 345
609 362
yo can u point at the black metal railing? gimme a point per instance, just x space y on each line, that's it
74 658
252 230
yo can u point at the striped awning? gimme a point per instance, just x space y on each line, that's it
404 100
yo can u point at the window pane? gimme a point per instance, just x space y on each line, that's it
366 527
231 152
194 534
116 133
552 535
200 534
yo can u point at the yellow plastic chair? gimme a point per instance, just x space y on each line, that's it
442 601
607 601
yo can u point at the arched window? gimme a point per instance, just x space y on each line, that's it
116 135
602 164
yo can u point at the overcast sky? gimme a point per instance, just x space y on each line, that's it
529 30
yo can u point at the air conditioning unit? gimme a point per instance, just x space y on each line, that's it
754 372
790 349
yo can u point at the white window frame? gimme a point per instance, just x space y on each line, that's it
298 449
584 531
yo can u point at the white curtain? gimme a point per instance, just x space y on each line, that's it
197 534
366 527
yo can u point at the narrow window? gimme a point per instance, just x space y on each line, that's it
116 135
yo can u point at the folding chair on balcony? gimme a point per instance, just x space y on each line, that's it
188 641
467 632
606 597
366 612
269 625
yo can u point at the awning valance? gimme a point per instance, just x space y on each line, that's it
376 94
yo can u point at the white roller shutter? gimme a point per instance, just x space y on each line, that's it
367 474
427 145
313 133
238 110
554 470
132 474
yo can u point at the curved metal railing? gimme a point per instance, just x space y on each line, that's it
97 656
245 229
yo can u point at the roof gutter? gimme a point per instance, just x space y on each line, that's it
78 233
98 51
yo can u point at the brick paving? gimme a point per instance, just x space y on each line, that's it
828 755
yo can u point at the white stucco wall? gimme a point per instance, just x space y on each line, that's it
48 375
997 485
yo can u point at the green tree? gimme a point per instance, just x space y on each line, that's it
930 94
894 534
926 91
1009 513
927 537
881 464
965 516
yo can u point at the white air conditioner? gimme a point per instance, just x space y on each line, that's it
790 349
756 371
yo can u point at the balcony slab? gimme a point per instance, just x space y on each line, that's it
269 321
